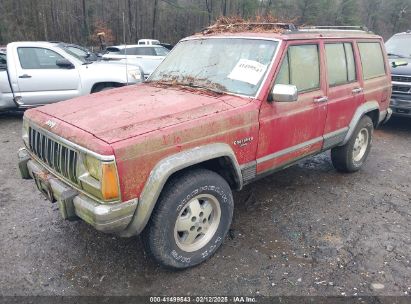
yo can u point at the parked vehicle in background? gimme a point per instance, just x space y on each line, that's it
399 52
44 72
148 42
167 46
155 42
221 111
3 60
148 57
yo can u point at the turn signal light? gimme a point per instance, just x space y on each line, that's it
109 182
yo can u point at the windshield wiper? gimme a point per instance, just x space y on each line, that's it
189 85
396 55
87 62
195 86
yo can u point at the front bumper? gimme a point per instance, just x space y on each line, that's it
401 106
108 218
385 116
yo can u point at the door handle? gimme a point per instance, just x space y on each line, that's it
357 90
321 99
25 76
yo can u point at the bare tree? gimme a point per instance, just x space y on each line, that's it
153 31
209 6
170 20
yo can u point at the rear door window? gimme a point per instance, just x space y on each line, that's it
301 67
340 63
372 60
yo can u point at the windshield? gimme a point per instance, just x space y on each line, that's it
161 51
399 45
234 65
70 52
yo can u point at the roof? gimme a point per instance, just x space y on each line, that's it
33 44
295 35
403 33
134 46
281 31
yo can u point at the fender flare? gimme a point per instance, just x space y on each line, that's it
359 113
162 172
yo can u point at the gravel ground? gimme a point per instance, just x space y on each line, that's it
307 230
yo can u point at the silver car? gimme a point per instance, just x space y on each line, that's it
148 57
39 73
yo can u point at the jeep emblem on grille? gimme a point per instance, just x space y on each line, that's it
51 123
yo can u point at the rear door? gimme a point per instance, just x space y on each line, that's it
293 130
345 92
39 78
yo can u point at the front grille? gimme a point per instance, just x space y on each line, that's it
401 78
401 89
57 156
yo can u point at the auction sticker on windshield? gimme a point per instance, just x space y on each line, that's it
248 71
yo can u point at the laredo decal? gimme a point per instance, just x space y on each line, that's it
243 142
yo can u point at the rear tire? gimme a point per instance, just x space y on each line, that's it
352 156
190 220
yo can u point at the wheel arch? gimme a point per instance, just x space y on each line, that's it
104 84
213 157
371 109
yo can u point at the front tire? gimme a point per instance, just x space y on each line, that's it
352 156
190 220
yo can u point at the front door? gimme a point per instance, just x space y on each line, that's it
293 130
40 80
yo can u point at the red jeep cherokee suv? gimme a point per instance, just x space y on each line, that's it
222 110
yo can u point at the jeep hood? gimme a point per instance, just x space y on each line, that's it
131 111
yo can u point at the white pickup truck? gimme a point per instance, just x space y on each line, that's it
38 73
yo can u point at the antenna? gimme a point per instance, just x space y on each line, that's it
125 46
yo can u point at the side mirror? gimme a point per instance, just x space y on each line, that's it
396 64
284 93
64 63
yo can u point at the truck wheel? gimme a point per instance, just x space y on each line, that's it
190 220
351 157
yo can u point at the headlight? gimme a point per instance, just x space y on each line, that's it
93 166
99 178
25 132
134 74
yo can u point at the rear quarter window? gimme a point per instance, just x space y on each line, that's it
372 60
